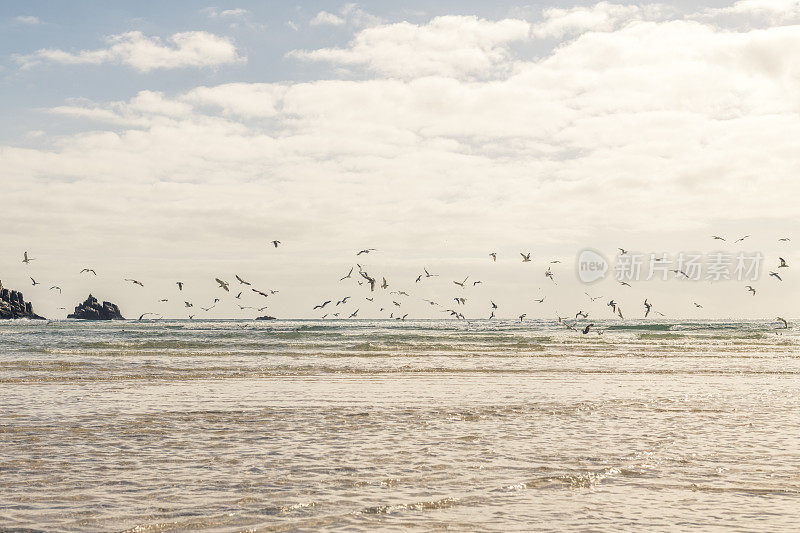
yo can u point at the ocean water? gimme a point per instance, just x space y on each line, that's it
379 425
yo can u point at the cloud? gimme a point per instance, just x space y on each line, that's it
28 19
134 49
449 46
603 16
323 18
648 127
213 12
773 11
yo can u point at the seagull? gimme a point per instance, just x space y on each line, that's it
88 270
135 282
461 301
619 312
354 314
55 287
626 284
491 316
27 259
783 263
418 278
35 283
369 279
476 282
191 317
431 302
322 305
622 251
613 305
264 294
370 299
396 303
223 284
592 298
180 285
494 256
367 250
276 243
751 289
549 274
494 305
348 275
461 283
586 329
784 239
262 308
384 284
785 324
429 275
187 304
208 308
243 307
717 237
240 280
343 300
581 314
554 262
681 272
145 314
647 307
401 293
697 305
541 300
776 275
740 239
523 315
526 258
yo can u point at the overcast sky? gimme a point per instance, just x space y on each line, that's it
173 140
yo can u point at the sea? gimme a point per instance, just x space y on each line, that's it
375 425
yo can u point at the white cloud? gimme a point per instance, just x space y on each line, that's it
448 46
645 128
213 12
28 19
184 49
323 18
774 11
603 16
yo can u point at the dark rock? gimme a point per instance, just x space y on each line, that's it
92 310
12 305
265 317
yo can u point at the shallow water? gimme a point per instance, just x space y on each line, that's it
364 425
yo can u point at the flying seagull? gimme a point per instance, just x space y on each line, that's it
541 300
522 316
223 284
625 283
494 305
549 273
88 270
35 283
622 251
264 294
353 315
740 239
697 305
461 283
526 258
187 304
322 305
785 324
784 239
55 287
783 263
494 256
647 307
241 281
751 289
180 285
276 243
586 329
145 314
717 238
385 284
348 275
429 275
135 282
367 250
775 274
27 259
581 314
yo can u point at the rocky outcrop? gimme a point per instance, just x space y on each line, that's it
13 305
265 317
92 310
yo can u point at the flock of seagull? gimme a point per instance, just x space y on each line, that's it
373 283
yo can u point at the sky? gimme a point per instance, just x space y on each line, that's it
172 141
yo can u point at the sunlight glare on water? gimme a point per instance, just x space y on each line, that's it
226 425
